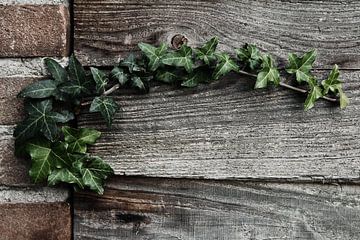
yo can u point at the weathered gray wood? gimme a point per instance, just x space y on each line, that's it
164 209
105 30
228 130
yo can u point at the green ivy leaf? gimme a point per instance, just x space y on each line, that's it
100 79
76 71
119 75
39 89
40 153
301 66
224 66
131 63
78 139
207 52
334 85
65 175
74 89
153 54
180 58
106 106
199 75
41 119
167 75
268 74
314 94
250 55
140 84
56 70
94 171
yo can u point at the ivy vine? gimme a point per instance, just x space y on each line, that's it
58 152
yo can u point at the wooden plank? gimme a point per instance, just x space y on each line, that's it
164 209
105 30
228 130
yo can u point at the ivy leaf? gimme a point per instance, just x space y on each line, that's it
39 89
224 66
73 89
334 85
119 75
180 58
207 52
314 94
94 171
100 79
40 153
56 70
200 75
301 66
41 119
131 63
63 117
65 175
250 55
106 106
79 138
167 76
76 71
268 74
153 54
60 156
140 84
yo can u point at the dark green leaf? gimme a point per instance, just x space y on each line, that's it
39 89
62 117
153 54
250 55
199 75
65 175
100 79
106 106
224 66
57 71
167 76
79 138
40 153
314 94
268 74
301 66
140 84
73 89
76 71
119 75
180 58
132 64
207 52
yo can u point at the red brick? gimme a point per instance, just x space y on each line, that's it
34 30
26 221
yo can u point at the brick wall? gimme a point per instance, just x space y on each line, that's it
29 31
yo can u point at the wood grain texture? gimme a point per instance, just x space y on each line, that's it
166 209
108 29
228 130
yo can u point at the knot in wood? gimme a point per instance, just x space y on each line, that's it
178 40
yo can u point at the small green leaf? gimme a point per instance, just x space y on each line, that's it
224 66
73 89
100 79
167 76
39 89
207 52
76 71
153 54
56 70
314 94
268 74
106 106
40 153
344 100
199 75
62 117
65 175
78 139
132 64
119 75
250 55
180 58
301 66
140 84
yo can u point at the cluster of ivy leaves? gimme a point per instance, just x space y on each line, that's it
59 152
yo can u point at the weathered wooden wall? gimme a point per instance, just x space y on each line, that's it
225 130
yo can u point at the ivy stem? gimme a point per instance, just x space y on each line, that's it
285 85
